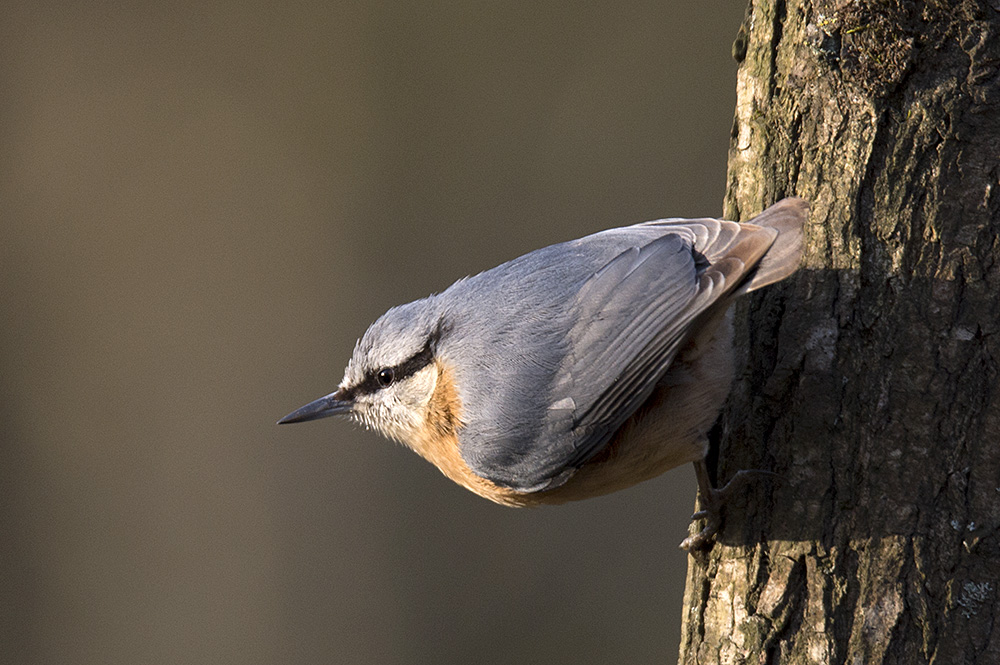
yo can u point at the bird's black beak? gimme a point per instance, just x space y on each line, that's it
334 404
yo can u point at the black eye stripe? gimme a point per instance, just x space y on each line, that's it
400 372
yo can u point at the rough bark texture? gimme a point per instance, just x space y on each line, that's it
870 386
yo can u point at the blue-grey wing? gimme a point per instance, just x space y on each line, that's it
627 324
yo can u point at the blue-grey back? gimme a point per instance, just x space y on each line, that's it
514 339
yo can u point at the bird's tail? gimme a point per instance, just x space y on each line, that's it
784 255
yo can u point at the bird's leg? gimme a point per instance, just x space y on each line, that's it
710 500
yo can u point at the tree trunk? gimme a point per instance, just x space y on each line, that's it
870 387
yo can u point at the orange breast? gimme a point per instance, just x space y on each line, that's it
437 442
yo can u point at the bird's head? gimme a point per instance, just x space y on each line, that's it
391 378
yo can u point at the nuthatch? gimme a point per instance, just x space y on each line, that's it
575 370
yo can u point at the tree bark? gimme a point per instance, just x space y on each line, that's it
870 385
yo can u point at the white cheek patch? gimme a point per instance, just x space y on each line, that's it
398 411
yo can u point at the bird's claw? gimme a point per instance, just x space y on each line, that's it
701 540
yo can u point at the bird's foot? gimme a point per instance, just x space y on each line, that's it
711 501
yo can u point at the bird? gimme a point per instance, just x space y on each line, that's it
575 370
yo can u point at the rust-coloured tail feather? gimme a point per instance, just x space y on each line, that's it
784 256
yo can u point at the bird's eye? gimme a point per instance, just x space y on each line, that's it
385 376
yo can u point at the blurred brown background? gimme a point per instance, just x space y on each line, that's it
203 206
